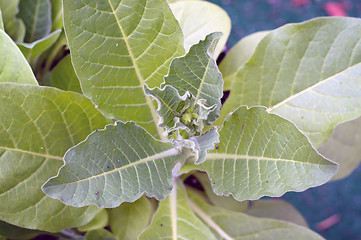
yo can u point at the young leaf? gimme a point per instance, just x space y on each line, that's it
198 19
115 165
195 73
117 50
9 10
229 225
57 14
175 220
36 16
98 222
13 65
37 126
129 219
34 49
1 21
237 56
344 147
263 154
99 234
304 61
64 77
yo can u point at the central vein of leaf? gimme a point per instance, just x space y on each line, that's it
139 75
32 153
173 210
202 81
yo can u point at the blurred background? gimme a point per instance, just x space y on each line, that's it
334 209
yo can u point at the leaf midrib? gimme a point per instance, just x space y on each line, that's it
139 75
32 153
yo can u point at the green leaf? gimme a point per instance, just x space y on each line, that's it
57 14
198 19
294 65
229 225
64 77
197 73
277 209
98 222
14 232
115 51
13 65
9 10
237 56
129 219
34 49
115 165
344 147
37 126
99 234
175 220
263 154
36 15
1 21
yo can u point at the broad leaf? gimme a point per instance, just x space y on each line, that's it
230 225
197 74
64 77
37 126
13 65
344 147
99 234
237 56
34 49
117 50
263 154
277 209
198 19
175 220
129 219
98 222
115 165
9 10
14 232
36 15
294 65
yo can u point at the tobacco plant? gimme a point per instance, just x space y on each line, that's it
129 132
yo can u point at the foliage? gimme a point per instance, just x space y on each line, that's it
132 120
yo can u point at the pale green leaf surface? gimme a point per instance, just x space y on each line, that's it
344 147
319 108
230 225
115 165
9 10
277 209
36 15
129 219
98 222
34 49
115 51
175 220
99 234
237 56
199 19
64 77
13 65
197 73
292 61
1 21
263 154
57 14
37 126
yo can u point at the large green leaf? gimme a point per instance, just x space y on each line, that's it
298 69
200 18
9 10
37 126
121 46
344 147
230 225
237 56
115 165
263 154
14 232
175 220
194 76
36 15
64 77
34 49
129 219
13 65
